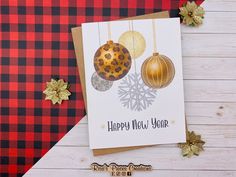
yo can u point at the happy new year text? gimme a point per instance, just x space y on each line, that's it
153 123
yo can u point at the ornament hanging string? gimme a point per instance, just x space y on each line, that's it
109 30
131 28
99 35
154 36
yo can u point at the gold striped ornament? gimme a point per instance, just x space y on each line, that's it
157 71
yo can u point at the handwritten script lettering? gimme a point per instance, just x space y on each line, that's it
120 170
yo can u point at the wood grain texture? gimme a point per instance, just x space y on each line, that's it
203 68
160 158
209 45
220 5
209 64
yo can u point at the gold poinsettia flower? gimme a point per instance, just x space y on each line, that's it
191 14
56 91
193 145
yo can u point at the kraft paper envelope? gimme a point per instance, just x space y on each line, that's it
78 44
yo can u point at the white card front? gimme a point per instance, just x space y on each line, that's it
134 82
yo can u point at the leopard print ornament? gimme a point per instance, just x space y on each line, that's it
112 61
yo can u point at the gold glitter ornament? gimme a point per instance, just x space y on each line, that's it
157 71
57 91
112 61
134 42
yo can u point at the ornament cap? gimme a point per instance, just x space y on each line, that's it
110 42
155 54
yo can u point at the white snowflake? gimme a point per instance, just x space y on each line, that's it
134 94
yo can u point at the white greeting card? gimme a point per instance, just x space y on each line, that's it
134 82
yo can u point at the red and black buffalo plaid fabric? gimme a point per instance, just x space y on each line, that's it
35 46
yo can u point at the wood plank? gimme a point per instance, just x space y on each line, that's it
210 113
210 90
209 68
214 22
160 158
219 5
154 173
209 45
214 135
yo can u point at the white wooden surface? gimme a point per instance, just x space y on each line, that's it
210 98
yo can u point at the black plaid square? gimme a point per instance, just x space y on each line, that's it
21 127
56 28
38 10
55 10
37 144
72 11
4 143
22 44
20 160
21 144
38 95
72 79
21 94
55 45
22 61
38 44
140 11
106 12
71 112
21 78
5 77
5 44
70 45
54 112
54 128
123 12
4 94
38 112
21 27
38 62
55 62
21 10
38 78
5 27
38 27
38 128
5 61
4 160
71 62
21 112
5 10
5 127
89 11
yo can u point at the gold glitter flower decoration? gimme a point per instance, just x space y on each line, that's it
56 91
191 14
193 145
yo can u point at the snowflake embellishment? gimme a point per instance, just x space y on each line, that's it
134 94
